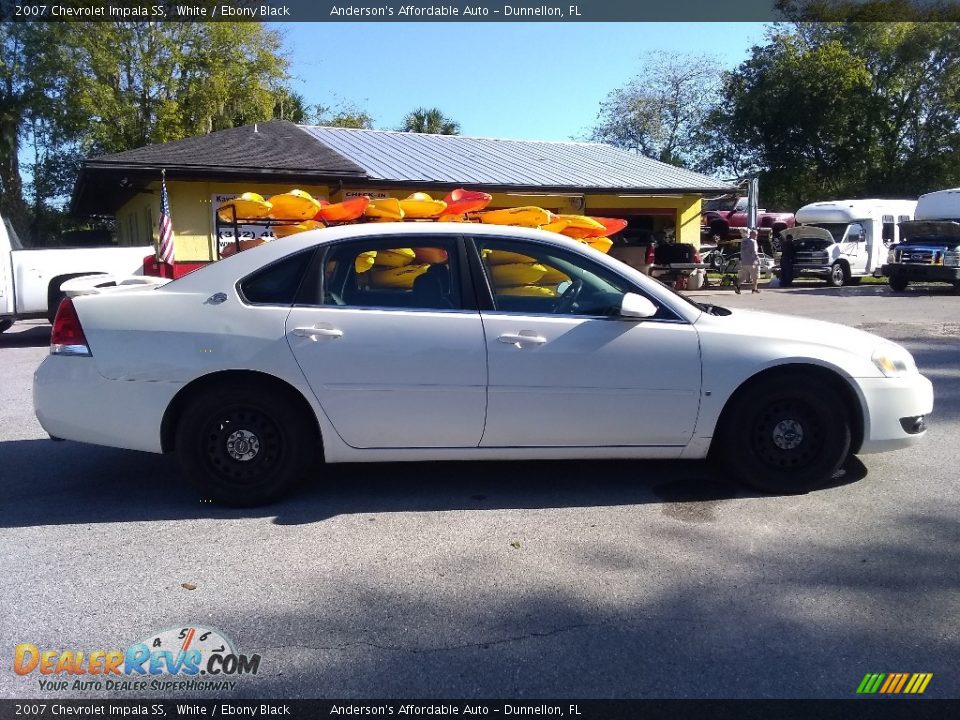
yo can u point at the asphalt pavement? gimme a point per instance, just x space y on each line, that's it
515 580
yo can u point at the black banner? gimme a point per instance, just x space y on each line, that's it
854 709
475 10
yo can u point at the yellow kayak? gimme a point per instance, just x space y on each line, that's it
395 257
553 277
364 261
503 257
420 205
385 210
527 291
525 216
602 244
556 226
580 226
285 230
516 274
294 205
249 206
398 277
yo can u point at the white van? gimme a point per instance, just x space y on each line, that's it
930 251
844 240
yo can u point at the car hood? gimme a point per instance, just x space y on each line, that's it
773 326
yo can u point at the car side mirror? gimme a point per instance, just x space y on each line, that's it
636 306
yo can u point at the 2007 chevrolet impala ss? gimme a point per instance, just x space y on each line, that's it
460 342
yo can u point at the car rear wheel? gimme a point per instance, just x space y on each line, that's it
782 435
244 445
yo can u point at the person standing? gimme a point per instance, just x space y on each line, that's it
749 272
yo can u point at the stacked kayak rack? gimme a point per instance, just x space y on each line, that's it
297 211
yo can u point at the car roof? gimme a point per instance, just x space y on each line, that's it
225 273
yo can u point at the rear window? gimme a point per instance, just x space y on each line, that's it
276 284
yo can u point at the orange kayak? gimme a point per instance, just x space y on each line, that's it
294 205
343 211
460 201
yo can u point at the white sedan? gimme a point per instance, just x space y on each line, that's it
435 341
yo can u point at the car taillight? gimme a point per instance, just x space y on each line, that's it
696 257
67 337
650 256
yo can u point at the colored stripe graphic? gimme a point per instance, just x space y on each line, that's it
894 683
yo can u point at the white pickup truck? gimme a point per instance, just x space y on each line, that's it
30 280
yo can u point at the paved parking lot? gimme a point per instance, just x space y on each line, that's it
592 579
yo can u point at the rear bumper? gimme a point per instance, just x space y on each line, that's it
893 408
929 273
73 401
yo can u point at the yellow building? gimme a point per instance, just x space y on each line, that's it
658 200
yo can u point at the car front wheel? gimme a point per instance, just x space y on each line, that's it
781 435
838 275
898 284
243 445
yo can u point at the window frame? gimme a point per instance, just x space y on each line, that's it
263 268
313 287
486 299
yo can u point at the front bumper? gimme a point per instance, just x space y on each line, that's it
892 408
73 401
929 273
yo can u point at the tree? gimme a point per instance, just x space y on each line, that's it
344 114
825 110
660 112
431 121
148 82
68 90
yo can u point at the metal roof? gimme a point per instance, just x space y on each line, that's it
396 157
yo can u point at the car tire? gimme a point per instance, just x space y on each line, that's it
5 325
782 437
898 284
244 445
838 275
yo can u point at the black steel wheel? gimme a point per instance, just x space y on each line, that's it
786 434
243 445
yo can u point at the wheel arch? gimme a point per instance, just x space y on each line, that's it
176 407
830 378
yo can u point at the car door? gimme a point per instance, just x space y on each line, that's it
394 354
565 369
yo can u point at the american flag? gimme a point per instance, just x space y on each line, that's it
165 250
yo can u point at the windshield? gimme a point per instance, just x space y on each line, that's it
836 229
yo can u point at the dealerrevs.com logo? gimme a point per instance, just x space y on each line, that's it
180 659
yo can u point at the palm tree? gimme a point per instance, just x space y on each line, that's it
430 121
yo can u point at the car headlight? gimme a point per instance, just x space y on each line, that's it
891 256
893 361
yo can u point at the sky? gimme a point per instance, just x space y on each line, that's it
534 81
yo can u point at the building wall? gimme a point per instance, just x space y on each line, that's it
192 211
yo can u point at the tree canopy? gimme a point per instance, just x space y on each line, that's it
661 111
432 121
827 110
68 90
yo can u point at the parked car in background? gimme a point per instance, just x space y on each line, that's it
930 251
445 341
726 217
841 241
30 280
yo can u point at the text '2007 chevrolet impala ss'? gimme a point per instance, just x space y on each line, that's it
389 342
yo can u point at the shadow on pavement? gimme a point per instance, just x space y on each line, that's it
37 336
54 483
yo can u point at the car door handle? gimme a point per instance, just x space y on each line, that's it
314 332
524 337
